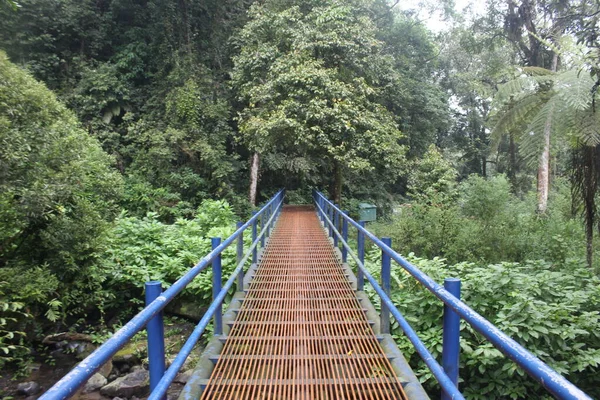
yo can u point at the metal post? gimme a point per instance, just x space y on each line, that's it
451 336
345 237
217 282
331 211
262 226
386 275
156 337
336 224
240 255
254 251
360 278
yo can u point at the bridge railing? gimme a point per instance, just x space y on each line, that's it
151 316
337 221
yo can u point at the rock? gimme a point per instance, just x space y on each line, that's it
134 384
106 369
129 354
137 368
94 383
183 377
28 388
124 368
118 398
67 336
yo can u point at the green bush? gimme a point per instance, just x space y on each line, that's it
549 308
486 224
145 249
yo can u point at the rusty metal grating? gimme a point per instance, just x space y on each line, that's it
301 333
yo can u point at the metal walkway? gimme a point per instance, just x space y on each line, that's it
301 332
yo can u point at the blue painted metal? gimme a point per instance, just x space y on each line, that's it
187 348
255 251
262 227
451 336
360 278
156 337
426 356
239 256
336 224
71 382
217 281
537 369
345 237
386 277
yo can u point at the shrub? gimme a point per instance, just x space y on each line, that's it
549 308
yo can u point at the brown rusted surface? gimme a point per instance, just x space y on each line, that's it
301 333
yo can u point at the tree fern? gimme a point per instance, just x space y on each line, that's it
528 105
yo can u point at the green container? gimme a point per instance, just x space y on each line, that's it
367 212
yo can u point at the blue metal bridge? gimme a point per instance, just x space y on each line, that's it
302 331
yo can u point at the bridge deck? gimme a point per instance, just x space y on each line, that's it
301 333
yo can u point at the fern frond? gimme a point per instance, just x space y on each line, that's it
575 88
532 143
537 71
513 118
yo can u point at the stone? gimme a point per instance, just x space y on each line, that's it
61 338
124 368
183 377
28 388
134 384
106 369
137 368
95 383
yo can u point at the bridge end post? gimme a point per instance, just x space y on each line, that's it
216 287
240 255
386 276
451 336
156 337
360 239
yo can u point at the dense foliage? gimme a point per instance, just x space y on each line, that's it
550 308
131 131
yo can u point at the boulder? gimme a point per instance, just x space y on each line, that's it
183 377
94 383
28 388
134 384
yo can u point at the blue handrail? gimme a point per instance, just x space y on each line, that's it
71 382
555 383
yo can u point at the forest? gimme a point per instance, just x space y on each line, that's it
133 131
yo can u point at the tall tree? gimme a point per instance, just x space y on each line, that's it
309 73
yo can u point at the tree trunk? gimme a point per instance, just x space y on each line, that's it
337 184
254 164
512 164
543 176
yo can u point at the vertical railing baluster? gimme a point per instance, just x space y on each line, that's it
255 250
386 272
336 224
217 281
345 237
360 240
330 223
451 336
262 227
156 337
240 255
